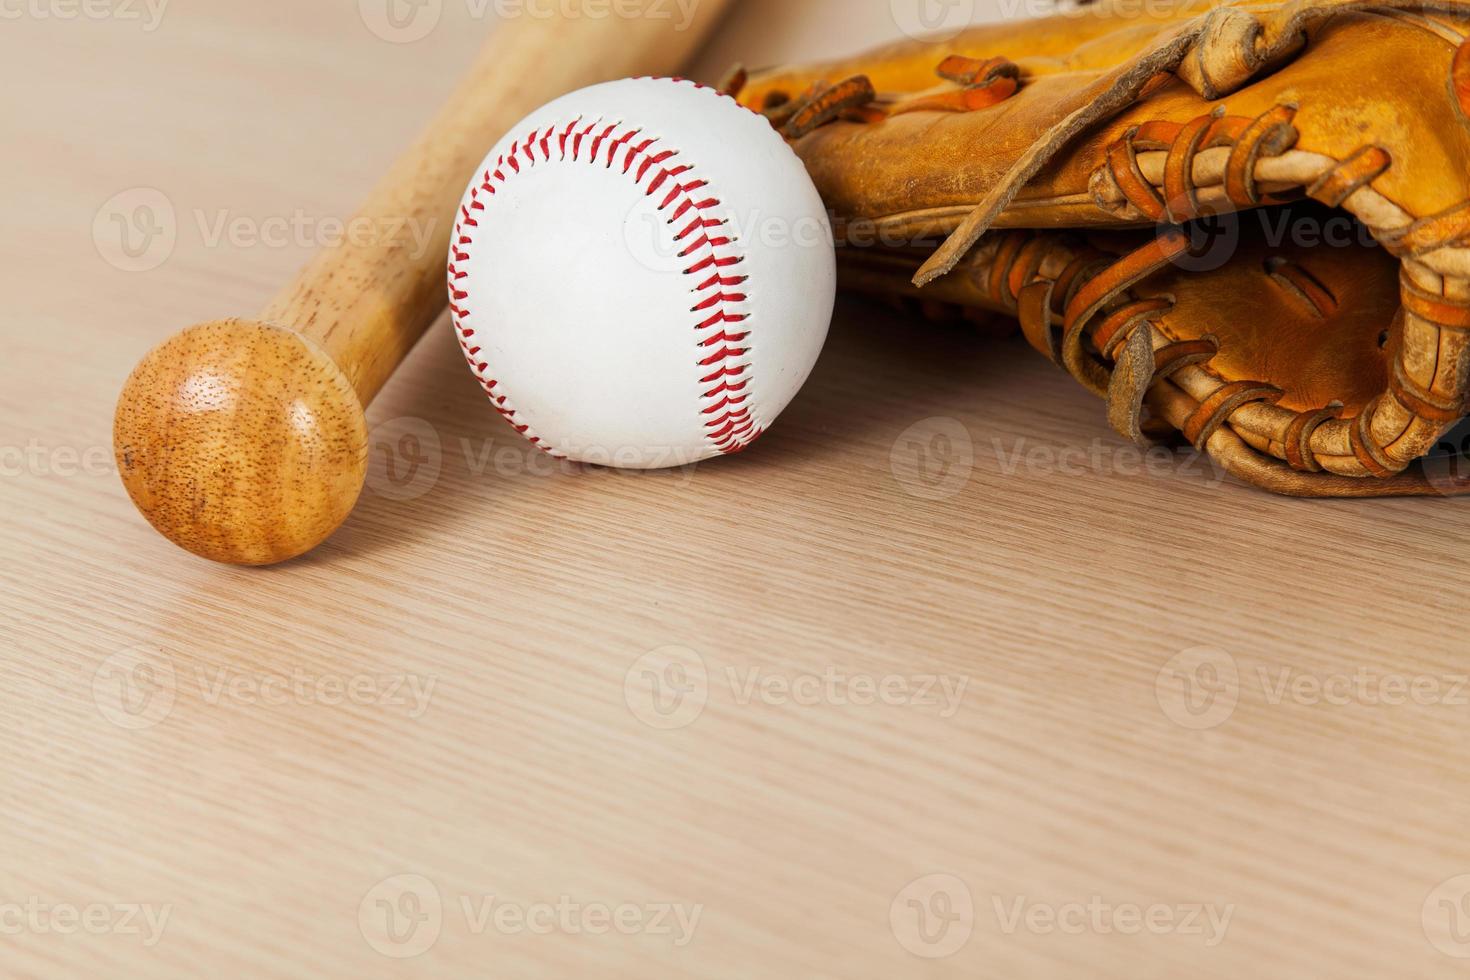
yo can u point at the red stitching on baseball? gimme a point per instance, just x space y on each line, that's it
732 429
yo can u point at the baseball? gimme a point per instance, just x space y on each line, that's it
642 275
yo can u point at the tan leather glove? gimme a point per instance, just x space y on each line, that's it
1250 220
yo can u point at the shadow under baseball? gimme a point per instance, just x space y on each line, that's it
883 369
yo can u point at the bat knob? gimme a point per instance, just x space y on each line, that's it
241 442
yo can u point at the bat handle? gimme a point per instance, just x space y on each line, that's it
245 441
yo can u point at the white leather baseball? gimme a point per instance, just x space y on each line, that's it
642 275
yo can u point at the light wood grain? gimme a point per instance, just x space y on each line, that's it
526 599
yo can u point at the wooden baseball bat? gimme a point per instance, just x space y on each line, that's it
244 441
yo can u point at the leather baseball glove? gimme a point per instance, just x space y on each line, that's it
1245 222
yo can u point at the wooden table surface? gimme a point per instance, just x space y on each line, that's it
939 681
